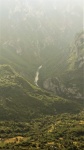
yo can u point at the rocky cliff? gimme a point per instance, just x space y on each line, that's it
73 79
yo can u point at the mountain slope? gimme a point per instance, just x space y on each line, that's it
19 100
31 35
74 77
70 83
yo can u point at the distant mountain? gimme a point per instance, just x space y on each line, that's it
32 34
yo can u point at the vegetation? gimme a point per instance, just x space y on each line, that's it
58 132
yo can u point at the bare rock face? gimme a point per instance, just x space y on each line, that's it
55 85
52 84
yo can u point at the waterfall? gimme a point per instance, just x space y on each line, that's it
37 76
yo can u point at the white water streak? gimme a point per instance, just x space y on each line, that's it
37 76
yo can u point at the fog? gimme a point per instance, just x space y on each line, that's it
41 74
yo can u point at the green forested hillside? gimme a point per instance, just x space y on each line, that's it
20 100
